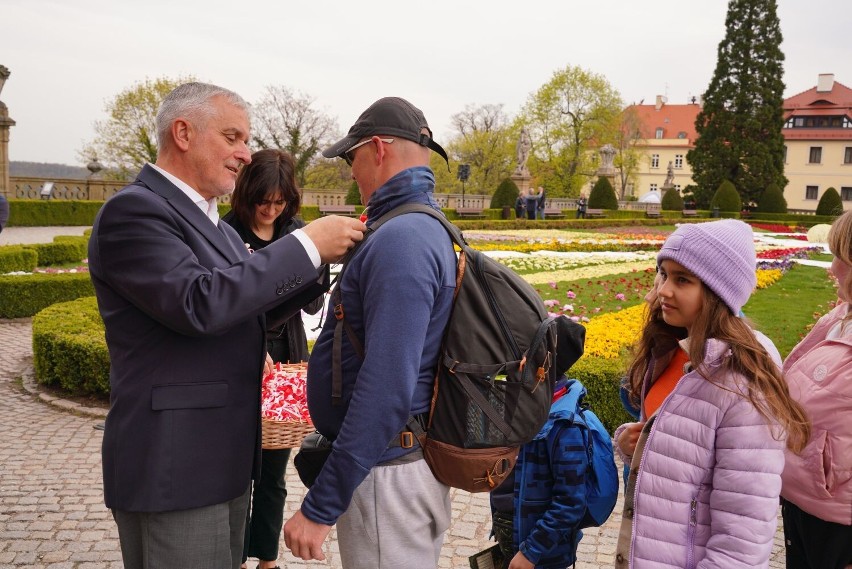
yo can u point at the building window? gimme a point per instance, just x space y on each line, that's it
847 155
678 161
816 155
659 133
655 160
846 194
810 192
653 187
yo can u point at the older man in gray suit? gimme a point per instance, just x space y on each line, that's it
183 302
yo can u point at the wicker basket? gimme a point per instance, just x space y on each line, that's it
284 434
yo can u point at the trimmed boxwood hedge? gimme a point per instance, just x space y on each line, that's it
70 351
17 258
25 295
38 213
69 348
64 249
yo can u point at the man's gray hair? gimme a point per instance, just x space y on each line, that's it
191 100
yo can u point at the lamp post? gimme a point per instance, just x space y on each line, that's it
463 174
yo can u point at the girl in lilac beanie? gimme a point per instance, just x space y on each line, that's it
715 417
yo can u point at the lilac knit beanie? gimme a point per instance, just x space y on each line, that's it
720 253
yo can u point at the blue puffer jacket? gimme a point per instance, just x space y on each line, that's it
549 487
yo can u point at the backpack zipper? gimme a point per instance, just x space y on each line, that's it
495 309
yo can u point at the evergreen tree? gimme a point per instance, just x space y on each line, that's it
671 200
739 126
830 203
602 195
772 200
727 198
505 194
353 196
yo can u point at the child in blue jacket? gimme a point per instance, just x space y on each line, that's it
537 510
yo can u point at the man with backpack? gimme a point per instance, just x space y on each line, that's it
565 478
396 292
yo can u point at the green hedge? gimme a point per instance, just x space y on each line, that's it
602 379
25 295
69 349
64 249
17 258
38 213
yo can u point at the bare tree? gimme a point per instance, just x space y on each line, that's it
287 119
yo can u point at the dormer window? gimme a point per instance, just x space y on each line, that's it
659 133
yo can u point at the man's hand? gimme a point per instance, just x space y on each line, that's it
268 365
304 538
628 438
334 235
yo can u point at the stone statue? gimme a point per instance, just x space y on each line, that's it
669 176
4 74
607 152
523 151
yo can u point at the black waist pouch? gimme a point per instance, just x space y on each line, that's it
311 457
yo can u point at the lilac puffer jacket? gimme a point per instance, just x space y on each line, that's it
709 478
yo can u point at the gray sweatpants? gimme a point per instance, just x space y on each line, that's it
397 518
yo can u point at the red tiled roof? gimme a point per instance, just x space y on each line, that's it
840 97
673 119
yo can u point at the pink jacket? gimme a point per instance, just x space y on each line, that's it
819 372
708 483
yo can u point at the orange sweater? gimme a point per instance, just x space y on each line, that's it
665 383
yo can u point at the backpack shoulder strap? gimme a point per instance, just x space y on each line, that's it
337 298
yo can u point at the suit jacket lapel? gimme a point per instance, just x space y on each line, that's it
158 184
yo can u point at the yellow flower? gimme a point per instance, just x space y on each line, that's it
609 334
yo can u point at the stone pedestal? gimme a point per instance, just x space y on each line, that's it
5 124
522 180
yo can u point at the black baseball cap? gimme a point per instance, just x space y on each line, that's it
392 116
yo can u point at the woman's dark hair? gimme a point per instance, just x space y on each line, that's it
271 170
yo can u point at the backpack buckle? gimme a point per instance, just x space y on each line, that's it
338 311
406 439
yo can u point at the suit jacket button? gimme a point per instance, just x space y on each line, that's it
280 290
298 280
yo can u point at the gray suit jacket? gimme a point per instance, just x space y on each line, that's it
182 302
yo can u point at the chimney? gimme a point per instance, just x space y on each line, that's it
661 100
825 82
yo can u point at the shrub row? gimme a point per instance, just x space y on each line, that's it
37 213
70 351
64 249
25 295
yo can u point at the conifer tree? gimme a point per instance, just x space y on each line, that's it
739 126
602 195
353 196
505 194
830 203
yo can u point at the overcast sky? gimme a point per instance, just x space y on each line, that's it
67 57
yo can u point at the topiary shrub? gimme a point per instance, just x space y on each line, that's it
505 194
353 196
830 203
602 195
727 198
17 258
35 213
64 249
772 200
602 378
69 348
671 200
25 295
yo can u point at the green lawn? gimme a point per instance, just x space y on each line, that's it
788 309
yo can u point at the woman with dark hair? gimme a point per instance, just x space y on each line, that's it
263 209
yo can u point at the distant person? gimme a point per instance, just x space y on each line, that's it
183 306
816 486
540 205
396 293
520 206
581 206
264 206
715 414
4 212
531 203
